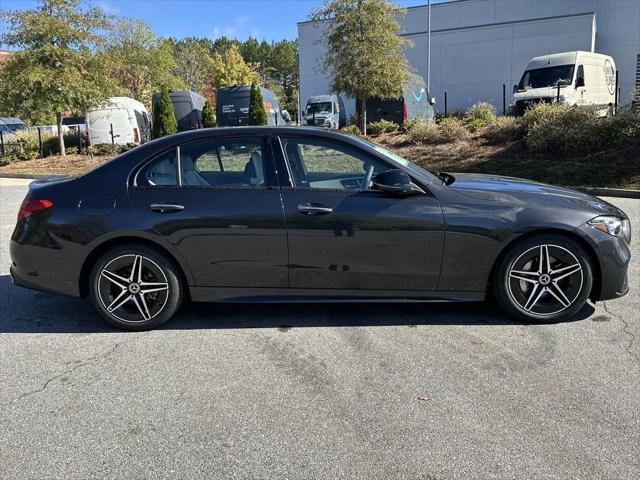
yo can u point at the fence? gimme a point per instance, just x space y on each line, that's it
8 148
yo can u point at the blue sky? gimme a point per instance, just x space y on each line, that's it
268 19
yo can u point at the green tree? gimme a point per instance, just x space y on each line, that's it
208 117
194 65
365 54
230 69
257 115
164 118
140 61
282 70
56 70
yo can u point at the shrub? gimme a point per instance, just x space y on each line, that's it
480 115
164 118
424 132
352 129
257 115
452 130
382 126
104 149
22 145
503 129
208 117
71 150
51 145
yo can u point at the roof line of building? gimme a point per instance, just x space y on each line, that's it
497 24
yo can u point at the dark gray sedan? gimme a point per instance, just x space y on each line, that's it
302 214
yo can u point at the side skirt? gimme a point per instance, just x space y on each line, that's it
293 295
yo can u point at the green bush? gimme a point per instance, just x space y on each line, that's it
480 115
382 126
104 149
22 145
164 117
452 130
503 129
424 132
352 129
208 117
257 115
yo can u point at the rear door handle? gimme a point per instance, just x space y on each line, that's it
166 207
309 209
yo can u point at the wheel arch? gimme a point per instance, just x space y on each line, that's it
103 247
572 235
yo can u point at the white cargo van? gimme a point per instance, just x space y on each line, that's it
128 118
570 78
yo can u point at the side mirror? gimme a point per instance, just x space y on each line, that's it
579 82
395 181
515 88
432 100
286 116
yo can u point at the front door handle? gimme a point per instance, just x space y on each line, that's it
166 207
314 209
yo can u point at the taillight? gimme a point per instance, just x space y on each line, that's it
30 207
136 136
405 112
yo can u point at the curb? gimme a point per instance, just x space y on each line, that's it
27 176
609 192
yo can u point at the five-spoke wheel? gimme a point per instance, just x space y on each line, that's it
544 278
135 287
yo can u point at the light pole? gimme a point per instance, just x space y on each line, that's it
429 51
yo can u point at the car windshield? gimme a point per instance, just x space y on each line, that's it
321 107
395 158
547 77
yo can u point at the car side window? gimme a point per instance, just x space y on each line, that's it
328 165
160 172
223 163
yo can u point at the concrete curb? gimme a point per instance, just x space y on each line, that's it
609 192
597 191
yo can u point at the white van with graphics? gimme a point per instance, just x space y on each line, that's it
570 78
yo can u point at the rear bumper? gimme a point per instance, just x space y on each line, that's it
44 269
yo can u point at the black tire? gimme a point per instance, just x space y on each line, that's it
131 304
531 291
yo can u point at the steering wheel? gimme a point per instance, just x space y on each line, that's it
366 181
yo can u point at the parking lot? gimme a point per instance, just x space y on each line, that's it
417 391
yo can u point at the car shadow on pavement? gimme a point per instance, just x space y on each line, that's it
28 311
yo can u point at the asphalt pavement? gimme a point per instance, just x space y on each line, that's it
416 391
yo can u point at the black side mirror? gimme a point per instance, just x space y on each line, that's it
515 88
579 82
395 181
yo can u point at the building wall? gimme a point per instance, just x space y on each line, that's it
479 45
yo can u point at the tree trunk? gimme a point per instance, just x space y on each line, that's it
363 115
60 136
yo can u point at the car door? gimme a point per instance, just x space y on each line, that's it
342 234
217 203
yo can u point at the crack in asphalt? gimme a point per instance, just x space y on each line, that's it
626 330
84 363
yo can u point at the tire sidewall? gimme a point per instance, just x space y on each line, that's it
168 267
501 278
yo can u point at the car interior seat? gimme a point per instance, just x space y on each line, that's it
253 171
190 175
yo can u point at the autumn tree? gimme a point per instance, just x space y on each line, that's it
194 65
257 114
365 54
55 70
139 60
230 69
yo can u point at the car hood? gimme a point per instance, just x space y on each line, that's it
535 93
497 188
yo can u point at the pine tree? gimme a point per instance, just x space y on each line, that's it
208 118
164 118
257 115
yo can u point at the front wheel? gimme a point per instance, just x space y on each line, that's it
546 278
135 287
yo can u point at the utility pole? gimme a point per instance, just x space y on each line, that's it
429 51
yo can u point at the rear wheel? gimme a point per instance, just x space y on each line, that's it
135 287
544 279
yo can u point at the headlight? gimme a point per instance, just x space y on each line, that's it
612 225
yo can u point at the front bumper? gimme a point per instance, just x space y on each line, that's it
613 257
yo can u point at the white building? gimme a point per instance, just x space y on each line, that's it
479 45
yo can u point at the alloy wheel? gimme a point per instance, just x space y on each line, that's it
133 288
545 280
